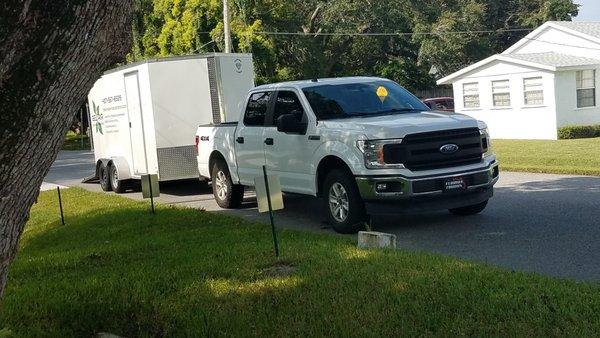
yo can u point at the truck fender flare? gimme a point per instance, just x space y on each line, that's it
338 150
122 167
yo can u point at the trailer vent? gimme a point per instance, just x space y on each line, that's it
177 163
214 90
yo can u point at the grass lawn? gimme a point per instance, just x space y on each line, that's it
580 157
116 268
73 142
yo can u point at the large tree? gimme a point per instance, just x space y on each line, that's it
51 52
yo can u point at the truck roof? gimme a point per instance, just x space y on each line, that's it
317 82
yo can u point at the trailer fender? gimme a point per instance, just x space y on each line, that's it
122 167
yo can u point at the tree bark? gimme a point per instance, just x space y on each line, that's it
51 52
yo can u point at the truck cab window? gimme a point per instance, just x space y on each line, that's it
256 110
287 102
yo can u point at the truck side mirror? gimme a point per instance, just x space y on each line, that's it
289 124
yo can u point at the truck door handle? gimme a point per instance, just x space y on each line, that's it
239 139
269 141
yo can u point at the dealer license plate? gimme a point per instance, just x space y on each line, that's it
455 184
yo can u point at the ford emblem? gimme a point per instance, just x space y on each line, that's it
449 148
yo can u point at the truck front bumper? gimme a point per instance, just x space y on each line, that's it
400 194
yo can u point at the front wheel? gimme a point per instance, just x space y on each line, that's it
345 208
470 209
227 194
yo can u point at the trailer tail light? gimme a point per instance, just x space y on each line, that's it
197 141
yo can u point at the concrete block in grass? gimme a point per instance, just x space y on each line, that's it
376 240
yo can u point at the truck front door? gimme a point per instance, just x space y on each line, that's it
249 140
289 155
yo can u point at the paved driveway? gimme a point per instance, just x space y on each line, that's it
548 224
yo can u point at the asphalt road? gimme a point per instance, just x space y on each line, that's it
549 224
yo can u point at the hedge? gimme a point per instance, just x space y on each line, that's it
573 132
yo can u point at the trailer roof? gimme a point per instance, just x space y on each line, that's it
174 58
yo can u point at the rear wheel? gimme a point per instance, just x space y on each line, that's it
103 177
345 208
470 209
227 194
118 186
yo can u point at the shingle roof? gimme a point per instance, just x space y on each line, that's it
555 59
589 28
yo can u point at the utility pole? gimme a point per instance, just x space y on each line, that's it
227 29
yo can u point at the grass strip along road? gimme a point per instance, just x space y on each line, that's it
116 268
576 157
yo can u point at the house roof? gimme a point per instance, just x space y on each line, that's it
556 60
587 28
546 61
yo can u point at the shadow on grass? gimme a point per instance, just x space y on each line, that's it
116 268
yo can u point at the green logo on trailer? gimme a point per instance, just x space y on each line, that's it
97 118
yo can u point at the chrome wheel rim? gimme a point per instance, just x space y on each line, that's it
114 178
221 185
338 202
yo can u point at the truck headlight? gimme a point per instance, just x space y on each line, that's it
373 153
486 142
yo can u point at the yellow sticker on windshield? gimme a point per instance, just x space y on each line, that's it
382 93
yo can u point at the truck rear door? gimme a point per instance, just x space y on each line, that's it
249 139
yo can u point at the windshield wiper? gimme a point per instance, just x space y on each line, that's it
396 110
381 112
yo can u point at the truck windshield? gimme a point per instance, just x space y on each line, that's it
338 101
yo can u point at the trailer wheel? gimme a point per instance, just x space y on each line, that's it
345 208
103 177
118 186
227 194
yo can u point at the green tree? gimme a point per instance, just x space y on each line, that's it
321 47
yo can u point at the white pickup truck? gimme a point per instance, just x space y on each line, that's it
365 145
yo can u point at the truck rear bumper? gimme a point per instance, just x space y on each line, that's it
398 194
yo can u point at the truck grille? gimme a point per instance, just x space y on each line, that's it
422 151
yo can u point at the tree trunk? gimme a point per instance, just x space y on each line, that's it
51 52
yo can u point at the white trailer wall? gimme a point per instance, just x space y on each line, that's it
144 116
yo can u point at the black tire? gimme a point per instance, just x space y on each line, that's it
470 209
354 217
227 194
118 186
104 178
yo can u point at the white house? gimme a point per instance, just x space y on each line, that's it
547 80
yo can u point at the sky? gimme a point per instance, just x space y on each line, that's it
589 10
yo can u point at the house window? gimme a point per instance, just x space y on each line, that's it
586 88
501 93
471 95
534 91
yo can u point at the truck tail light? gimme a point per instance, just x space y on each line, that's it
197 141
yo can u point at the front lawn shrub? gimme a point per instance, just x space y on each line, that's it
574 132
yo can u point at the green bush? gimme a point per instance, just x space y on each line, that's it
573 132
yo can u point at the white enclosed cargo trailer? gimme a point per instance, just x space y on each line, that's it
144 115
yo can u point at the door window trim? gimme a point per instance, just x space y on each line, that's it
269 122
267 113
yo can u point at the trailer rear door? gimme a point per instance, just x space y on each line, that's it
136 123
